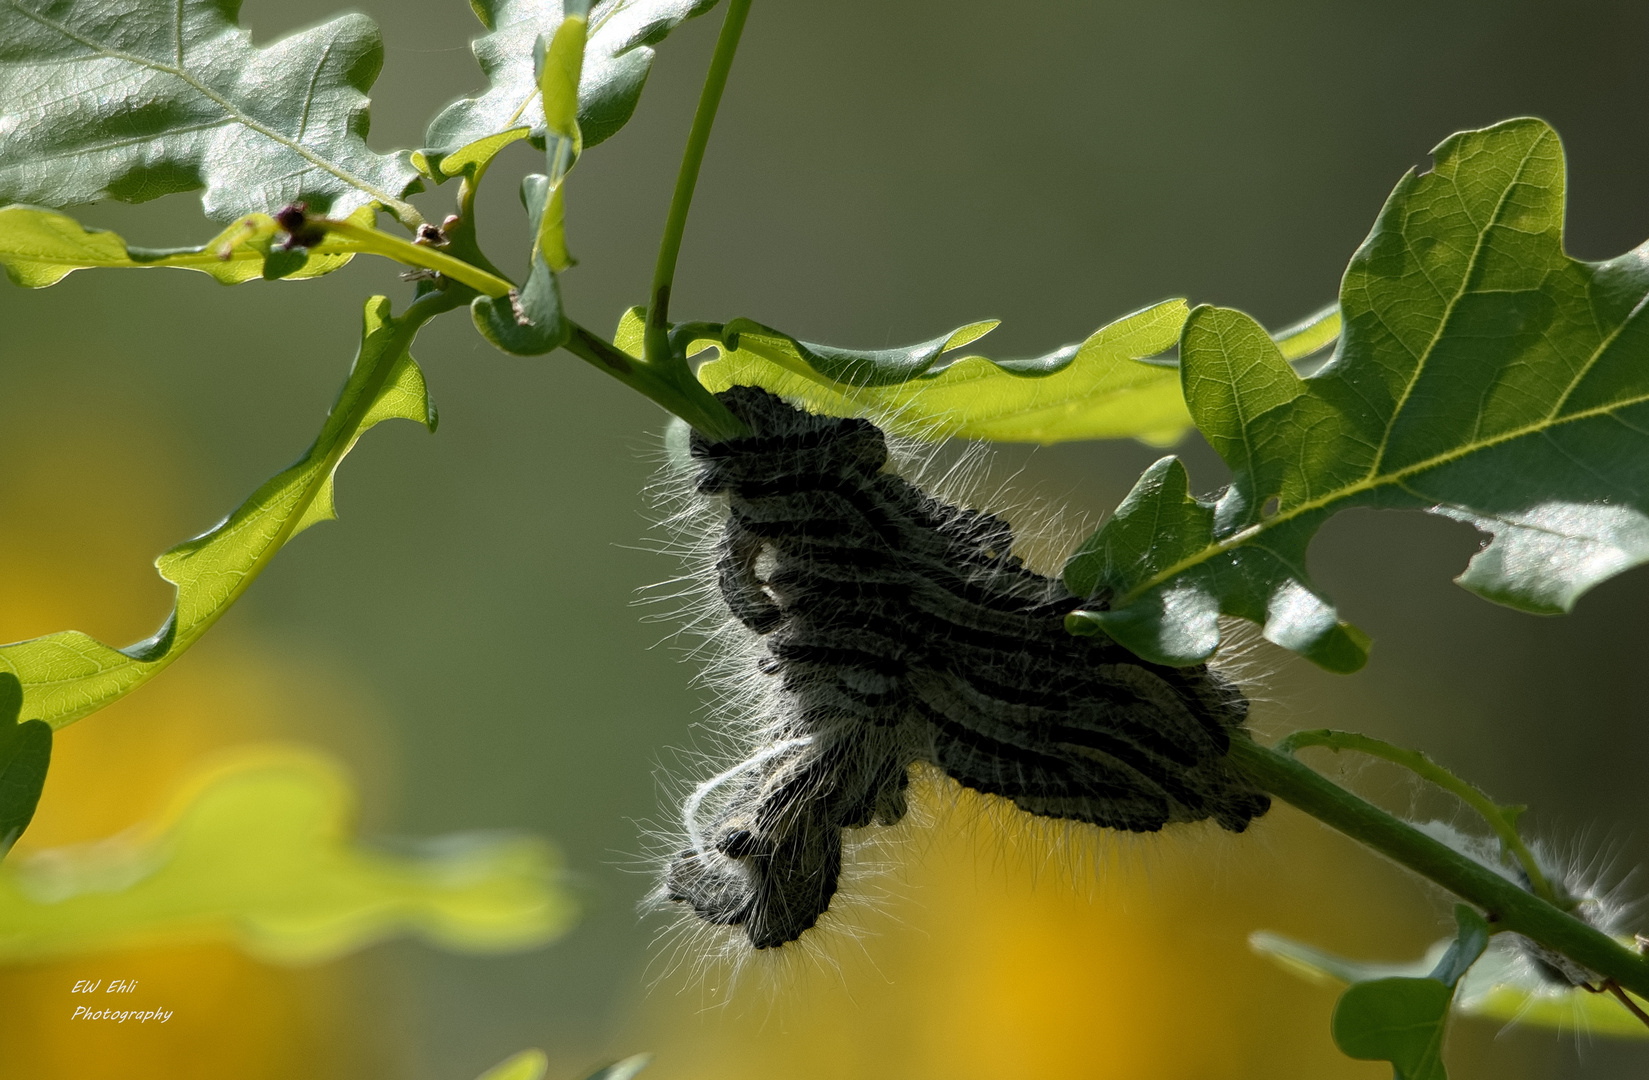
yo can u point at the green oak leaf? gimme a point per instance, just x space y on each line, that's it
558 61
617 60
533 1064
852 368
1402 1019
256 850
1483 375
527 1065
529 321
1098 389
140 99
25 754
68 675
1499 987
1310 336
41 247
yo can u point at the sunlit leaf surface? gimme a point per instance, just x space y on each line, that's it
25 753
42 247
67 675
527 1065
257 850
529 321
1097 389
617 60
533 1064
559 60
141 99
1483 375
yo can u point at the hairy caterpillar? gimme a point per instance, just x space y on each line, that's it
894 629
1586 884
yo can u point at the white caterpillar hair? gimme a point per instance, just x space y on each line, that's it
1583 874
856 628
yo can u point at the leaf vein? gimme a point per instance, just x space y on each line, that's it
1469 271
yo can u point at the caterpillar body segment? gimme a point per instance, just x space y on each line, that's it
897 629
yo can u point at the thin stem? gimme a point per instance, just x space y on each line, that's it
672 386
461 234
1613 987
684 334
657 343
419 255
1499 818
1509 906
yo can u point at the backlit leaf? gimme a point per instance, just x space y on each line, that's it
1097 389
1483 375
851 367
1094 390
559 61
1310 335
135 100
617 60
257 851
67 675
42 247
529 321
25 753
527 1065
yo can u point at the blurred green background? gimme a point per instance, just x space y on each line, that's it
880 172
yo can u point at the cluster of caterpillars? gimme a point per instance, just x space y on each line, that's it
901 630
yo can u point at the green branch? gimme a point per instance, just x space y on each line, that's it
1502 819
669 248
672 386
422 256
460 230
1509 906
661 372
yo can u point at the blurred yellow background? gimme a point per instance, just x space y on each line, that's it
83 562
980 944
461 639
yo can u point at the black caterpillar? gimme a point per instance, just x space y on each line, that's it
900 630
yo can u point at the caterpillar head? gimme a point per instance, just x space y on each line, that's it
768 861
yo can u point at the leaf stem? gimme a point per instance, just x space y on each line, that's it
657 343
1509 906
423 256
682 336
1502 819
672 385
461 234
